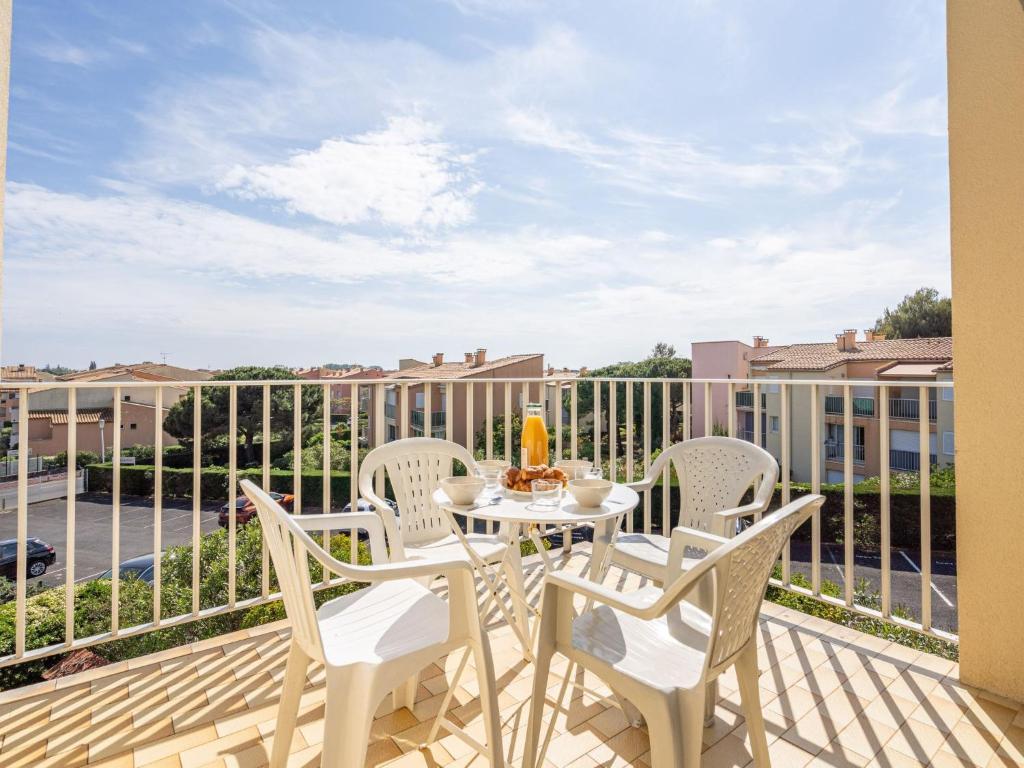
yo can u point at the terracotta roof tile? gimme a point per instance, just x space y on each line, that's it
85 416
821 357
459 370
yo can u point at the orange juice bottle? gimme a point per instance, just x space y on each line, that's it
535 436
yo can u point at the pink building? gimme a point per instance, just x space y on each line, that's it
720 360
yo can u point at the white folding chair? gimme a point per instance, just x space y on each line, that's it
370 640
714 473
658 650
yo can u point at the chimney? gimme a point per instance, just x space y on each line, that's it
438 358
551 370
760 342
469 358
847 340
481 356
871 335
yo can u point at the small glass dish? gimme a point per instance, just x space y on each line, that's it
546 493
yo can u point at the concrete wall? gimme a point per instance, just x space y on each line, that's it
986 158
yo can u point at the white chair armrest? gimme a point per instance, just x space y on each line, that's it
641 485
600 593
682 538
366 521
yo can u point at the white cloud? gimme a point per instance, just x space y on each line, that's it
402 176
658 165
64 53
896 112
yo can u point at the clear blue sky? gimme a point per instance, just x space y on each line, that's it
232 181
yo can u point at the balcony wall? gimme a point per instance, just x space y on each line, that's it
986 161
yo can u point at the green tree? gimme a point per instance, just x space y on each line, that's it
92 365
661 363
216 406
920 315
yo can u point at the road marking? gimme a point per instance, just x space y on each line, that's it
936 589
831 554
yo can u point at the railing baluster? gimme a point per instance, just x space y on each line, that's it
470 438
267 439
785 471
666 439
21 575
708 415
848 563
883 497
613 431
573 421
647 452
630 426
815 455
449 412
924 475
403 412
489 408
380 390
233 493
597 424
115 537
556 399
325 480
731 407
353 469
297 447
158 502
197 492
428 410
69 536
687 399
507 455
758 432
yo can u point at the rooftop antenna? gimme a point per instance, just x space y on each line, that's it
163 356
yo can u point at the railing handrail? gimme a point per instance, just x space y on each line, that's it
40 386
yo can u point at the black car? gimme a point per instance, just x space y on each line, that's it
245 510
140 567
40 556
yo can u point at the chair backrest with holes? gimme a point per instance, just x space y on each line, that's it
415 466
288 549
741 569
714 474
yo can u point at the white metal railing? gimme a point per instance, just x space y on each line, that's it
620 423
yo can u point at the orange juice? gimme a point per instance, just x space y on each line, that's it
535 437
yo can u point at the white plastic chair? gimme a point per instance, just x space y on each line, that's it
658 650
371 640
421 530
714 473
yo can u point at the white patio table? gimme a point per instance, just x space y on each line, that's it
514 512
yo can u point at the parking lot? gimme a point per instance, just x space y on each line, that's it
94 532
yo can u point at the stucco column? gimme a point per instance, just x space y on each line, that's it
986 157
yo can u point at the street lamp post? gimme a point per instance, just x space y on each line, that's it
103 447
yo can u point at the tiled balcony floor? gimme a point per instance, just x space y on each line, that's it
832 697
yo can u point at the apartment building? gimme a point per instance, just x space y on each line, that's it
48 408
404 405
847 359
9 397
720 360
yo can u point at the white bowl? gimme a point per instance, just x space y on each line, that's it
462 490
590 492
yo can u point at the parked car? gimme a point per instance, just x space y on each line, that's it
364 506
140 567
39 556
245 510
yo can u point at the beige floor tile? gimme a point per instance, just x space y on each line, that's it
730 752
864 735
916 740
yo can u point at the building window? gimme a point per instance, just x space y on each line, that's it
127 398
392 432
133 425
948 446
772 389
392 397
947 394
773 423
419 399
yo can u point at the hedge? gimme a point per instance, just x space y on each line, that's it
904 504
137 480
904 515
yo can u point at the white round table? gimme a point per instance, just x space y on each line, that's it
513 512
